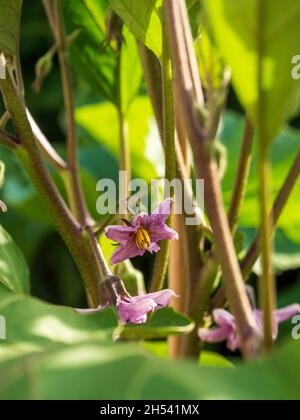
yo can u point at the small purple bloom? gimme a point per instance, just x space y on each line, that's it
135 309
226 329
142 234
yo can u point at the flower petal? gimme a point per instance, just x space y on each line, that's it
224 318
141 219
126 252
135 311
120 234
154 248
159 232
164 209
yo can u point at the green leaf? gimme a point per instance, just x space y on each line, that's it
95 60
146 149
162 323
284 150
32 320
144 20
13 268
208 358
235 27
9 25
108 371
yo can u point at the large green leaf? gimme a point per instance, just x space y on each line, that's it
95 64
31 320
235 25
108 371
9 25
144 19
13 268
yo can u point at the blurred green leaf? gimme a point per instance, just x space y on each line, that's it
13 268
145 20
95 59
235 27
94 63
9 25
161 324
208 358
108 371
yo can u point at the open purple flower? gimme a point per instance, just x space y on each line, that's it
131 309
226 329
142 234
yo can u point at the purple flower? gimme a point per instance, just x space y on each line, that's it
226 329
135 309
142 234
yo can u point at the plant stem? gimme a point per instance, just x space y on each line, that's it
45 146
267 284
77 200
178 25
77 240
161 260
153 77
242 176
198 304
255 249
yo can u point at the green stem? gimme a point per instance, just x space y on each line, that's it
242 176
8 141
198 304
77 240
161 260
267 284
178 26
125 158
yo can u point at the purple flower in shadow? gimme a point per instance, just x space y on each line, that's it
226 329
131 309
142 234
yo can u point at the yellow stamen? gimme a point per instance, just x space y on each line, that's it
142 239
